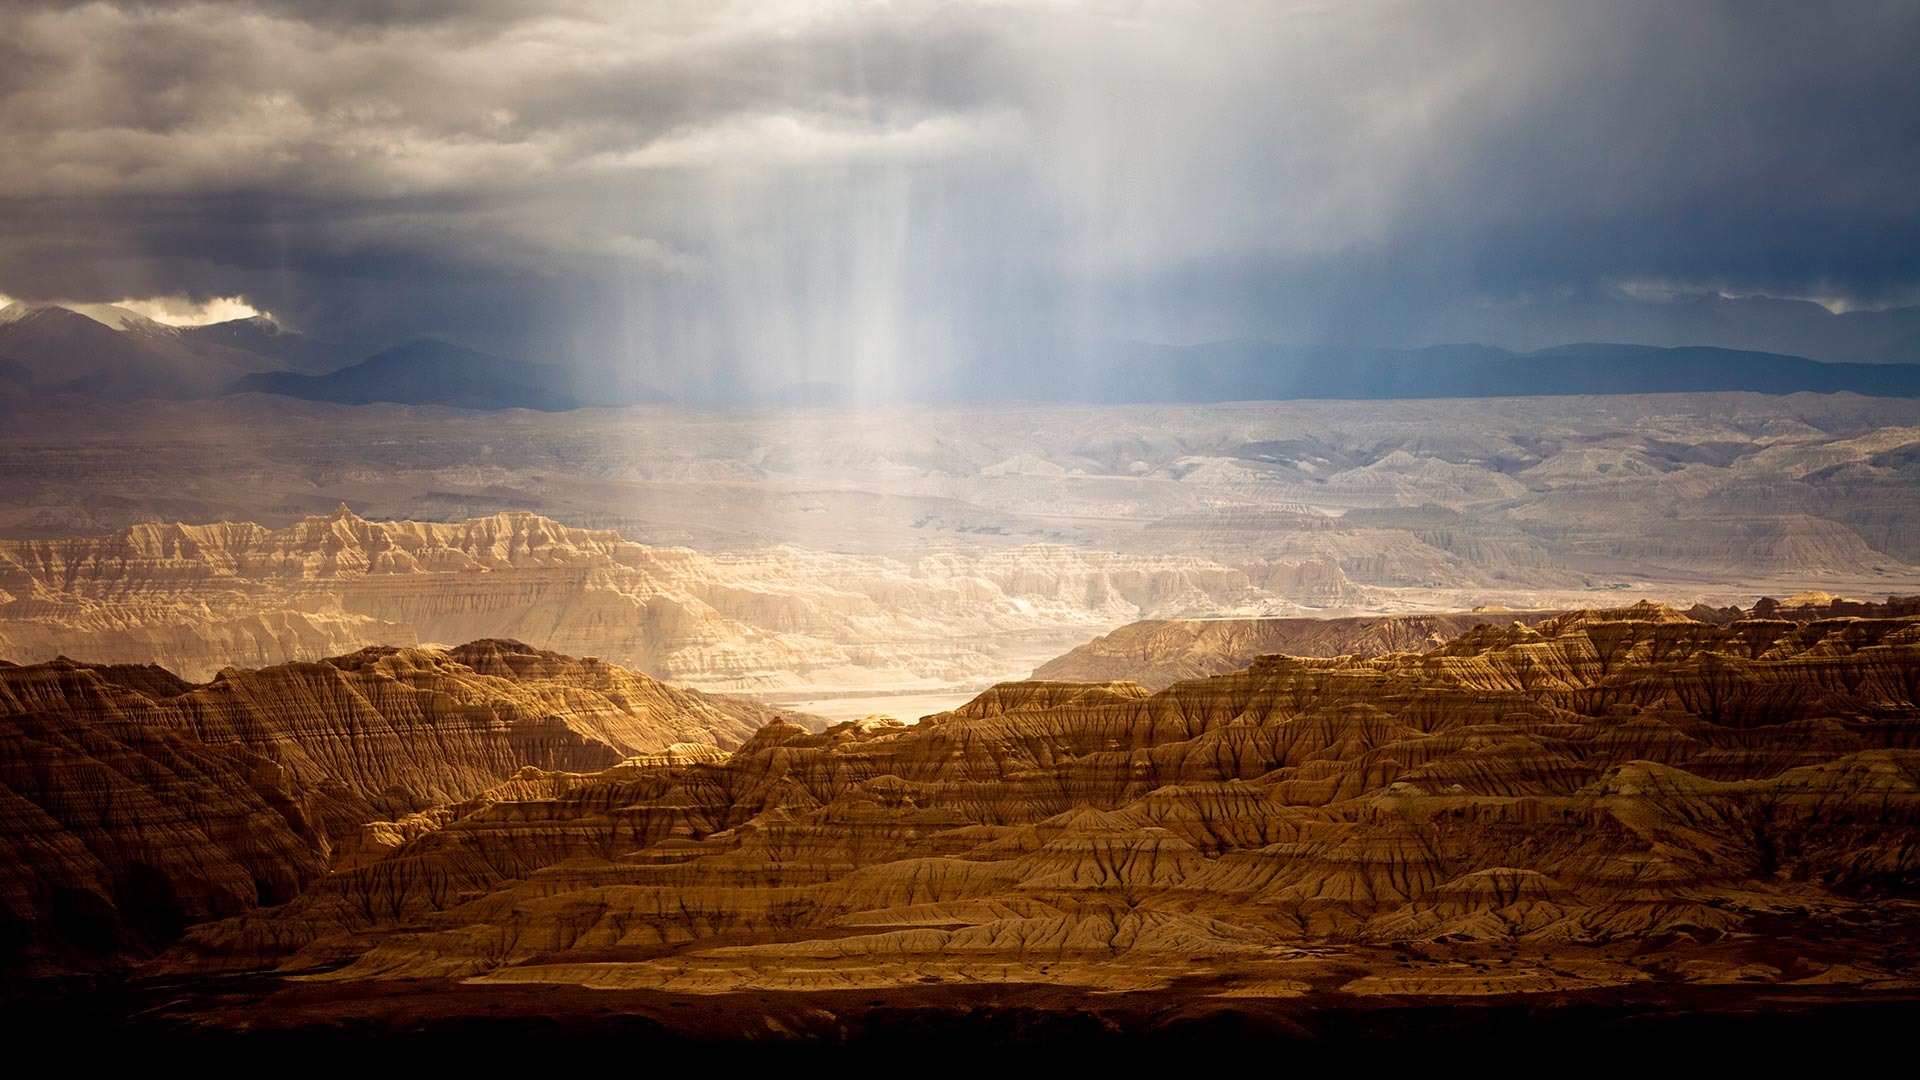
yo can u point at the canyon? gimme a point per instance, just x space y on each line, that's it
1009 538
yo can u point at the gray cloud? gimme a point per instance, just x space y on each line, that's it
760 193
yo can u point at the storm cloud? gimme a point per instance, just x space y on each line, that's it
725 195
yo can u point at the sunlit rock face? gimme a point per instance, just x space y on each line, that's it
196 599
1587 796
1160 652
133 803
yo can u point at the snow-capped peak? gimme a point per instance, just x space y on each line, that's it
111 316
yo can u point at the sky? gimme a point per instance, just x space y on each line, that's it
718 194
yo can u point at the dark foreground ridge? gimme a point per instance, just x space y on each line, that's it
938 1030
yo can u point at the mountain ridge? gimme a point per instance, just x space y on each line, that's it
113 353
427 371
116 354
1253 370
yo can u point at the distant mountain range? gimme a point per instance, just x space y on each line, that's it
1122 372
1767 323
110 352
113 353
261 336
430 372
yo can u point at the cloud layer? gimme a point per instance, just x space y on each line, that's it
719 195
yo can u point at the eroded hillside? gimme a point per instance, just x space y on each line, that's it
1609 798
133 804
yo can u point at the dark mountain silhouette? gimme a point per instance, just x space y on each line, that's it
262 336
53 349
433 372
1766 323
108 352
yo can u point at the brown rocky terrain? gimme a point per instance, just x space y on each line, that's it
1156 653
133 803
1625 798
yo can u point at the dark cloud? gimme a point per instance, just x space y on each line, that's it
760 193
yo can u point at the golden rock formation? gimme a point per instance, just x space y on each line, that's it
1582 797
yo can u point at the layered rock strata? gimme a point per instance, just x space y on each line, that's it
1549 807
133 804
195 599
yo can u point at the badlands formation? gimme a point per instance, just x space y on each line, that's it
133 803
808 553
1486 775
1609 798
